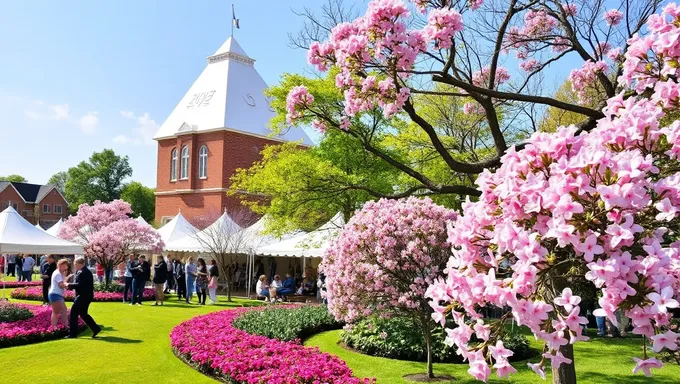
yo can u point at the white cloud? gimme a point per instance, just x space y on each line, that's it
89 122
146 128
32 114
59 112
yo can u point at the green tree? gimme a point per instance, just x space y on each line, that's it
99 178
141 199
14 178
59 180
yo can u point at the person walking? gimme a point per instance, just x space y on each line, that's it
181 281
213 274
127 290
160 276
169 283
11 265
46 271
201 281
56 293
28 264
191 274
84 286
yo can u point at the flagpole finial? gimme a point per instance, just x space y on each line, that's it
234 20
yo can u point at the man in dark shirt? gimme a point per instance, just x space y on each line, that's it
46 274
181 280
143 273
84 286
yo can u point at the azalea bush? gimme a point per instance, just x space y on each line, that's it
383 260
36 294
34 329
601 206
212 344
398 338
287 323
11 312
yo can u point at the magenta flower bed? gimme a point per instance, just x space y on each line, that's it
21 284
37 328
212 345
36 294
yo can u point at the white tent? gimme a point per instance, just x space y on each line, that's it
223 226
39 227
19 236
176 229
54 229
312 244
142 221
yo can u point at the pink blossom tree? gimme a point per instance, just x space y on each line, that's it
602 206
384 259
109 235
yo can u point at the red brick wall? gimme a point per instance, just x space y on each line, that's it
10 194
53 198
227 151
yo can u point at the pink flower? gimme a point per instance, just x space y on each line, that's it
667 211
646 365
613 17
567 299
663 301
668 340
590 248
538 369
442 25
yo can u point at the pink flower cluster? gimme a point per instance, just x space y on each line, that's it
36 294
442 25
653 58
37 328
585 77
21 284
607 202
481 78
385 257
613 17
298 98
215 345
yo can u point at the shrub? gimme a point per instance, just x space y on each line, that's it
398 338
114 287
286 324
11 312
211 344
32 330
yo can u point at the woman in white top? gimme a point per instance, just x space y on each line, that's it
56 293
262 287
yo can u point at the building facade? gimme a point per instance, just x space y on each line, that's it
39 204
219 126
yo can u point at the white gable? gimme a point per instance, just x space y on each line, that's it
227 95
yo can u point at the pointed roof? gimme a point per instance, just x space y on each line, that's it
54 229
176 229
312 244
228 95
39 227
19 236
224 225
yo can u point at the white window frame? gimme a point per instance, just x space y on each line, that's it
48 210
61 209
173 165
203 162
184 163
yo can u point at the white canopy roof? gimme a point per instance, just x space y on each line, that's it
176 229
19 236
39 227
222 229
312 244
54 229
227 95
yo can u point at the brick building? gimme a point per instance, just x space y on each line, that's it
220 125
36 203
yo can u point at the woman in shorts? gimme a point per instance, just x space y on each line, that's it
56 293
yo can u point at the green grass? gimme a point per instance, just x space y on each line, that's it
134 347
605 361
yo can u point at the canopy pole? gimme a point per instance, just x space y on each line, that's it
304 265
4 276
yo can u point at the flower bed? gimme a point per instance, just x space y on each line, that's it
32 330
287 323
215 347
21 284
36 294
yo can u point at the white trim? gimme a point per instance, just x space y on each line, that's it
174 136
203 162
49 208
173 164
184 162
185 191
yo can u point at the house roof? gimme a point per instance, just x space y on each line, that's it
228 94
31 193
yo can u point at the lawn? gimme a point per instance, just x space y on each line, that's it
605 361
134 347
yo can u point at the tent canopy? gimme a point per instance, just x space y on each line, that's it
176 229
220 231
54 229
19 236
312 244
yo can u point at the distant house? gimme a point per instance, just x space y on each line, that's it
42 204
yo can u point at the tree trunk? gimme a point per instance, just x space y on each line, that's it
427 329
228 290
108 272
566 373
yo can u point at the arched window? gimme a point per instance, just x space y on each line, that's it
184 164
203 162
173 164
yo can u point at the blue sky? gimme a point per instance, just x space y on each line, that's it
71 67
